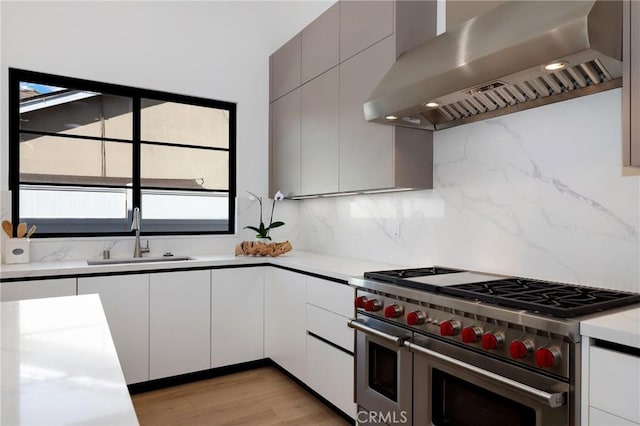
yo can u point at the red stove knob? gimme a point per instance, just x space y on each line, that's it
449 328
372 305
360 301
492 340
416 318
392 311
548 357
519 349
471 334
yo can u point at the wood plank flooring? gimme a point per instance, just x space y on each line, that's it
262 396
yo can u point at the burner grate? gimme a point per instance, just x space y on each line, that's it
559 300
397 275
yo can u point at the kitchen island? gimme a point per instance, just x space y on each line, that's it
59 365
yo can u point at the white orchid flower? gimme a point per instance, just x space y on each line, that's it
279 196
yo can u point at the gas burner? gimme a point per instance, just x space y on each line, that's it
396 275
556 299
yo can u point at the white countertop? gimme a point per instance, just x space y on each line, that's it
59 365
621 327
330 266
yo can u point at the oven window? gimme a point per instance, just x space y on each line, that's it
460 403
383 368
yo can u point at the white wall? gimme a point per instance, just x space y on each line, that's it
537 193
212 49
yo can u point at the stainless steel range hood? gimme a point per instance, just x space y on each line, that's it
494 64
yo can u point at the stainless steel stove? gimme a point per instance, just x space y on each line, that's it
489 337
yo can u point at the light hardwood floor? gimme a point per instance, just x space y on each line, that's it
263 396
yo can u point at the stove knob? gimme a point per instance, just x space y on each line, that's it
492 340
393 311
360 301
449 328
471 334
548 356
519 349
372 305
416 318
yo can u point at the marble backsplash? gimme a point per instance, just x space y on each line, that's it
537 193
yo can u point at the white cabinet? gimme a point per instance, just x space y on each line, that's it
330 365
37 289
602 418
330 373
125 300
237 315
614 383
286 320
179 323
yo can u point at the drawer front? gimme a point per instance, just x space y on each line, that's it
601 418
330 326
334 297
614 383
330 373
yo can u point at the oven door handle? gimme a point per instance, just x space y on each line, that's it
359 326
553 400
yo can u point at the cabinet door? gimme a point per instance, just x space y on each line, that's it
319 122
321 44
611 370
602 418
330 373
284 69
286 320
366 149
125 300
284 166
363 23
180 323
21 290
237 315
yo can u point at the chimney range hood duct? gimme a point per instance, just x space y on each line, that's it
494 64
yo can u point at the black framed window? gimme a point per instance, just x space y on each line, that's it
84 154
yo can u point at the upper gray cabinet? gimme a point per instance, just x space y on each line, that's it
374 156
344 54
321 44
363 23
631 86
284 69
284 158
319 117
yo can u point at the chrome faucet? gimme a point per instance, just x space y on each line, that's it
135 226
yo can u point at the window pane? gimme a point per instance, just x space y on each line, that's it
51 159
68 202
173 167
184 124
75 112
184 205
174 211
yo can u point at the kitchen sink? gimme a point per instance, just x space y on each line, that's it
138 260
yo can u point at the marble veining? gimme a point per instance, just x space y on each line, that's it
537 193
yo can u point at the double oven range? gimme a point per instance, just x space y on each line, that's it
440 346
